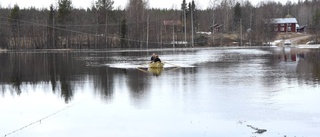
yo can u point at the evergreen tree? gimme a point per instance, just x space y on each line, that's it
237 14
183 9
192 8
184 19
103 6
103 10
64 10
14 14
183 5
14 22
51 37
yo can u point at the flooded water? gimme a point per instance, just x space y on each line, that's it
200 92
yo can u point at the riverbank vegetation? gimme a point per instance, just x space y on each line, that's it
223 22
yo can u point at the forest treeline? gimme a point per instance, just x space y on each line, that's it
138 26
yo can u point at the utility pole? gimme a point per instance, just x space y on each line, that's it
173 42
192 27
241 32
213 29
185 27
250 36
53 30
148 31
106 29
161 36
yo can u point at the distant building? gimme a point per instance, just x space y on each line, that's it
170 30
217 28
172 23
302 29
284 24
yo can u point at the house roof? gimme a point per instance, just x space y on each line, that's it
284 20
301 27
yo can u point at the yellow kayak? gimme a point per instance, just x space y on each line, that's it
156 71
156 65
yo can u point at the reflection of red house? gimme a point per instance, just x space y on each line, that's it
284 24
169 25
286 57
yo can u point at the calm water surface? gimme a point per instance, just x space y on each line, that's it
201 92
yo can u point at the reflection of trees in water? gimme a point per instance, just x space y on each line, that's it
15 78
33 68
137 83
273 73
309 67
65 83
16 82
301 66
62 70
103 82
52 71
277 66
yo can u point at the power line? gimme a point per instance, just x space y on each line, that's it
39 121
58 27
79 32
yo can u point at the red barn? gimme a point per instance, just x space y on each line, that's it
284 24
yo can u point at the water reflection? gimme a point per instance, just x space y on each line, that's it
302 62
309 67
65 71
155 71
224 86
33 68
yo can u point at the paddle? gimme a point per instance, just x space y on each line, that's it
142 66
142 70
173 64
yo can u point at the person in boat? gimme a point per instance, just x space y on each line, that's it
157 59
153 57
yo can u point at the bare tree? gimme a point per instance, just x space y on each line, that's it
213 4
226 15
103 8
316 24
263 21
184 16
136 12
64 11
51 37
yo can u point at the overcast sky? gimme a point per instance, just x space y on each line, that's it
117 3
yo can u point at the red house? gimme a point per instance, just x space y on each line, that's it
284 24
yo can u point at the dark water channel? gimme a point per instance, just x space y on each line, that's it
230 92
